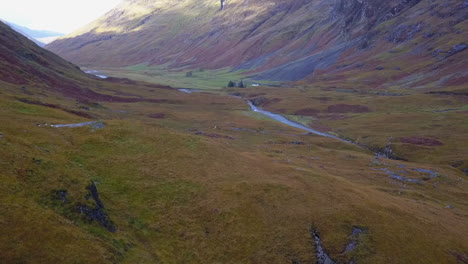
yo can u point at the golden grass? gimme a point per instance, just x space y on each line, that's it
177 197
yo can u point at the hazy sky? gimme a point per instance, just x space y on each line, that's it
57 15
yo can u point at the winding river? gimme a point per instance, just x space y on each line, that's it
288 122
278 118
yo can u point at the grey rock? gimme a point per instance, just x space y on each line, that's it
398 177
436 52
429 35
259 101
354 239
322 256
454 50
404 33
387 152
96 213
95 194
432 174
457 49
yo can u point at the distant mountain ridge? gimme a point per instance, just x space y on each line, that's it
35 33
40 37
282 40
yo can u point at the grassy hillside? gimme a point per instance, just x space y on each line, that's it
224 195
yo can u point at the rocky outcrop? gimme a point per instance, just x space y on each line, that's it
97 212
444 54
355 239
89 209
404 33
263 101
322 256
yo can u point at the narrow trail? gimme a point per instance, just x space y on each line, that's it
93 124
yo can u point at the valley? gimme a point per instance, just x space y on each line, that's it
362 115
245 180
347 145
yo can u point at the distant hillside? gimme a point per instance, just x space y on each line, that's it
36 33
282 40
40 37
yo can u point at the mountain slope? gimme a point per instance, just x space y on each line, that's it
24 63
26 66
278 40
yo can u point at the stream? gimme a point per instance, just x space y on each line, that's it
288 122
95 73
188 90
278 118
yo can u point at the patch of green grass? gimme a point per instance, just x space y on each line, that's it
303 120
202 79
193 142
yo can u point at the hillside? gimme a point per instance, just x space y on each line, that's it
283 40
111 170
36 71
22 62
